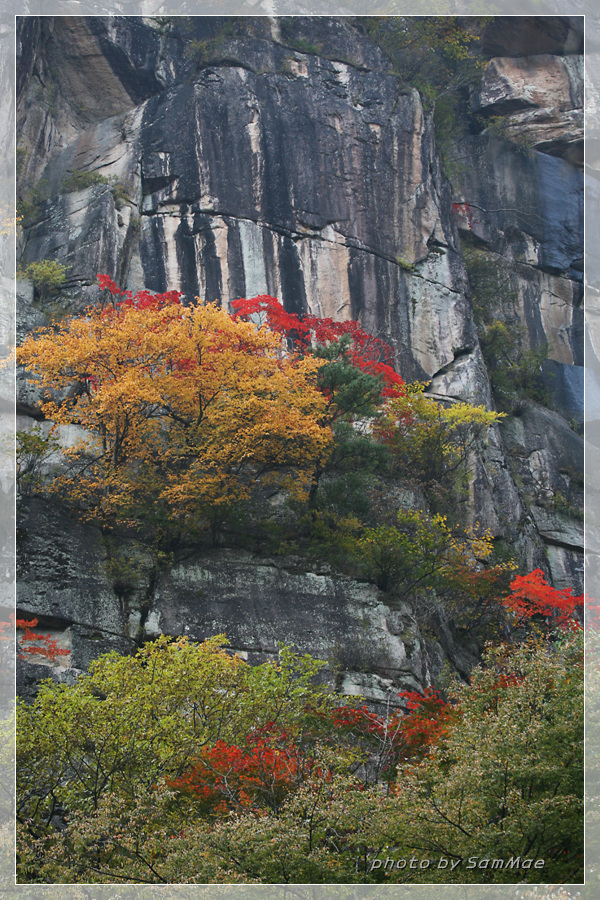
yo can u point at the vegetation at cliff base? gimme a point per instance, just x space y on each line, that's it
183 764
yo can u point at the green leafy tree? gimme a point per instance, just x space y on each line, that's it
431 443
440 57
418 552
502 781
135 719
514 373
507 782
47 275
352 394
33 450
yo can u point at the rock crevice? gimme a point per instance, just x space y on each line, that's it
235 160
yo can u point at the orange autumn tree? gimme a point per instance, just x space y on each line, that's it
181 409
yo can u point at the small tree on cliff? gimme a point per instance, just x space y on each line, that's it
356 376
431 444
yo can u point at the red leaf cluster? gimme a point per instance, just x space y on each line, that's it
409 733
141 299
260 772
369 354
30 643
465 211
532 595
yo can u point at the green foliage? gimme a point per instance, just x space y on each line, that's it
305 46
562 504
452 123
503 779
430 443
347 493
21 157
290 37
136 719
352 394
439 56
420 554
435 54
202 51
515 374
28 211
47 275
490 285
168 24
351 391
406 556
405 264
33 449
82 179
508 779
499 127
29 205
121 194
128 566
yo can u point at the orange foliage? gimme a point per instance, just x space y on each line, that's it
182 407
30 643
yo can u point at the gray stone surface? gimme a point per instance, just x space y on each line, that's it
525 204
259 603
289 161
540 99
65 581
316 149
61 576
562 35
546 457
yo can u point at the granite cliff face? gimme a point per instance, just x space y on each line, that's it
285 157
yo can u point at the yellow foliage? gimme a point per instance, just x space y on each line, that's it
183 407
8 221
431 442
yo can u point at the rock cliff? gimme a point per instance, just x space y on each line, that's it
230 158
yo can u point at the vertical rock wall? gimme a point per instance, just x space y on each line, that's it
228 162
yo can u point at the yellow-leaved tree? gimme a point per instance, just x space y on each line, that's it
182 409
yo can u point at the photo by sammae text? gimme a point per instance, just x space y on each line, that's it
473 862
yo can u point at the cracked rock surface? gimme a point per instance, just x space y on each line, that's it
232 165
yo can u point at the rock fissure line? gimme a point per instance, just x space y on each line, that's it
291 166
520 211
348 241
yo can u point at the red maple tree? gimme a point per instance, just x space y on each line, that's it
533 596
